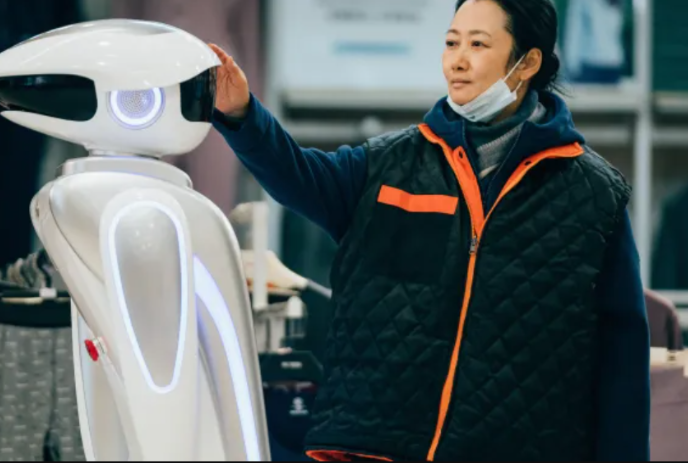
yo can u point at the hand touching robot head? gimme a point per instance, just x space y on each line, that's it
113 86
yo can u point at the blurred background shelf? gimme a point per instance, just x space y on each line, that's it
581 98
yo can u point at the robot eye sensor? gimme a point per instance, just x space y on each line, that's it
136 109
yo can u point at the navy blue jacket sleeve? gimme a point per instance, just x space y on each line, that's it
323 187
624 369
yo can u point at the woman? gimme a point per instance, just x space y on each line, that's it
488 303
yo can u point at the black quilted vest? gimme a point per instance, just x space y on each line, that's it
463 334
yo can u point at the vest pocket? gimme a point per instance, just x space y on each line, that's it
408 235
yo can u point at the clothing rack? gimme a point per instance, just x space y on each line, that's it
680 299
28 308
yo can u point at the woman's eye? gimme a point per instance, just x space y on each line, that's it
477 44
451 43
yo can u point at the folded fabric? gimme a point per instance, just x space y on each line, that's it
33 271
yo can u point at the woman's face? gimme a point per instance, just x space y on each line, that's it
478 50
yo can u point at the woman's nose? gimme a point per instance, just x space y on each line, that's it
460 59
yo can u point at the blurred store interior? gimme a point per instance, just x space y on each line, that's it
338 72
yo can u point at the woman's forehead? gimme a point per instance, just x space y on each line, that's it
483 16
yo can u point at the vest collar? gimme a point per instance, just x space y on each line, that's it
468 181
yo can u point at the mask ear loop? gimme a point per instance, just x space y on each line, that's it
515 66
512 71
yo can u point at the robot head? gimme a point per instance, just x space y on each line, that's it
118 86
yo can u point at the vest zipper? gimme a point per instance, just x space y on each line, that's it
447 392
479 221
474 244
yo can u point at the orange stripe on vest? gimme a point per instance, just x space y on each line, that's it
440 204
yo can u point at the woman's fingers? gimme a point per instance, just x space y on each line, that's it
224 57
232 92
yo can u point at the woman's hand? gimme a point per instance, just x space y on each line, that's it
232 94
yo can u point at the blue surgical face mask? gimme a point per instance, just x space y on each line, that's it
486 106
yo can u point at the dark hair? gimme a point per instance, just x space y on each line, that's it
533 24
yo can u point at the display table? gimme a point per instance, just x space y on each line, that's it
669 426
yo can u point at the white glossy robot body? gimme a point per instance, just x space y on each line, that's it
165 356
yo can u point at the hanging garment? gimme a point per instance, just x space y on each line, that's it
593 42
30 272
20 154
234 25
670 257
22 149
39 419
665 328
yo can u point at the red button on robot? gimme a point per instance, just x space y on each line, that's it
92 350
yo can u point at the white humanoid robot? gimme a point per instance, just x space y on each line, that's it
165 355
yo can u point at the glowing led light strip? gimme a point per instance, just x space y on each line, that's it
181 339
209 294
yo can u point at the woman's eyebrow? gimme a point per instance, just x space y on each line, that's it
471 32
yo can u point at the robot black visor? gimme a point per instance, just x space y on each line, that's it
61 96
74 98
198 97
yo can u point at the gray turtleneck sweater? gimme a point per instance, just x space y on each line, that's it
493 143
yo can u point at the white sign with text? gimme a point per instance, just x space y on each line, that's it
359 45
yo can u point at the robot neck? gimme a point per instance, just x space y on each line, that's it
128 164
118 154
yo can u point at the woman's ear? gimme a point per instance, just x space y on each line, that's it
530 65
